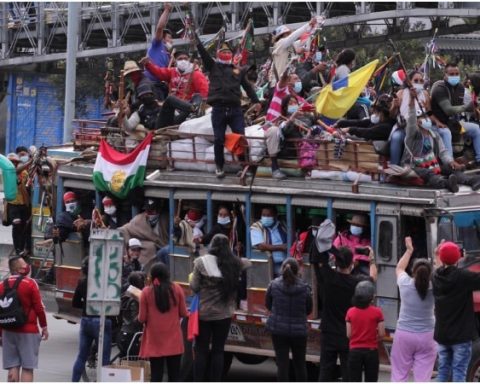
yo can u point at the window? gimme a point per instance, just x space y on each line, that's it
385 237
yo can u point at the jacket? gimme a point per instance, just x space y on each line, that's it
31 300
206 281
162 335
455 319
289 306
181 85
129 310
346 239
366 130
152 239
414 142
225 82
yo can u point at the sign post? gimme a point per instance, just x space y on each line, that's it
104 280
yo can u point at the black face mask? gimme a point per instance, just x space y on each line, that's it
148 100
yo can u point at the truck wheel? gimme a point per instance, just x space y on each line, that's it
245 358
473 373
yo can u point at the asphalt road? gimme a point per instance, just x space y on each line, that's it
57 355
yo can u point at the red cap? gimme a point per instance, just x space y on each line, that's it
449 253
69 196
107 201
194 214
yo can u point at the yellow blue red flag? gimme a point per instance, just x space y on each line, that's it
337 98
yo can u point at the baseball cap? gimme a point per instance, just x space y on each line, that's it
67 196
134 243
449 253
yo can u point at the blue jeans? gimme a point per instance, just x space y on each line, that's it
453 361
396 146
221 117
89 327
473 131
446 136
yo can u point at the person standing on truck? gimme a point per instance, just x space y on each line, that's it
413 345
270 235
224 95
89 327
21 344
338 289
455 318
215 278
289 300
365 325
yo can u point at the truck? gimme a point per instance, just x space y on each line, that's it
395 212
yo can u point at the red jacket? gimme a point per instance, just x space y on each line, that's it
29 296
162 335
180 85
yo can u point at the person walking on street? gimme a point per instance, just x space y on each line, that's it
455 319
162 305
413 345
290 301
215 278
21 344
365 325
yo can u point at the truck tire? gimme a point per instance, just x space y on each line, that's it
246 358
473 373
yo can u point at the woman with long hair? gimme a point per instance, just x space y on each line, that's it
290 301
413 344
162 305
215 278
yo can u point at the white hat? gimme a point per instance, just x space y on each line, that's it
134 243
280 30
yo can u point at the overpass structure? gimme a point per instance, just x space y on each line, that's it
35 32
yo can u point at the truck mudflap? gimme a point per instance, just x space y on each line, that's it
248 334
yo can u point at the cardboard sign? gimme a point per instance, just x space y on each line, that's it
118 373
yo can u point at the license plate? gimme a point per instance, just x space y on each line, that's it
235 333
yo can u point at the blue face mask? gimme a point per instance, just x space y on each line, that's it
318 57
292 109
356 231
364 100
297 87
267 221
426 124
223 220
453 80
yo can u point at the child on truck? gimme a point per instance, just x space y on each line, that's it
365 325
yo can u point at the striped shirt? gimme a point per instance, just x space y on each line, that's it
275 107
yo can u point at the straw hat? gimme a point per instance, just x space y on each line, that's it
129 67
359 220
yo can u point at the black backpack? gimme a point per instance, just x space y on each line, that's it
12 314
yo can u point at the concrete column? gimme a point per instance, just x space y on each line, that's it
40 27
71 73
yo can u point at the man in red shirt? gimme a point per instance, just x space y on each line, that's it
188 86
21 345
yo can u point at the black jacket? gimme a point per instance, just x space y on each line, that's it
453 292
225 81
290 306
366 130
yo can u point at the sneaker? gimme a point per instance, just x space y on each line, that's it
476 184
452 183
220 173
279 175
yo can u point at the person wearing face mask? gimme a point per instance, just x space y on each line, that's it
150 227
357 236
110 213
188 86
223 225
224 95
313 72
447 99
427 156
270 235
21 344
148 112
159 51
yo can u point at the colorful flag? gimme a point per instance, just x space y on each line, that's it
337 98
193 318
118 172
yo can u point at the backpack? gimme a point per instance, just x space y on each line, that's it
12 314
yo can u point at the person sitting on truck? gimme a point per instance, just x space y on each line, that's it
270 235
427 156
187 85
357 239
455 318
338 287
148 112
150 227
89 327
18 210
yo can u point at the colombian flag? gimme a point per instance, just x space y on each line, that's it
193 318
337 98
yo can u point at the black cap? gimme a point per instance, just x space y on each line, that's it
144 88
150 205
178 53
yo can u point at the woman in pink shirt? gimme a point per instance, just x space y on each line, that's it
162 305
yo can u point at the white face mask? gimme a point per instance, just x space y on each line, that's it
110 210
223 220
375 119
418 87
168 46
71 207
184 66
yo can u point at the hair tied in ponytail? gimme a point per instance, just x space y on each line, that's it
156 281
